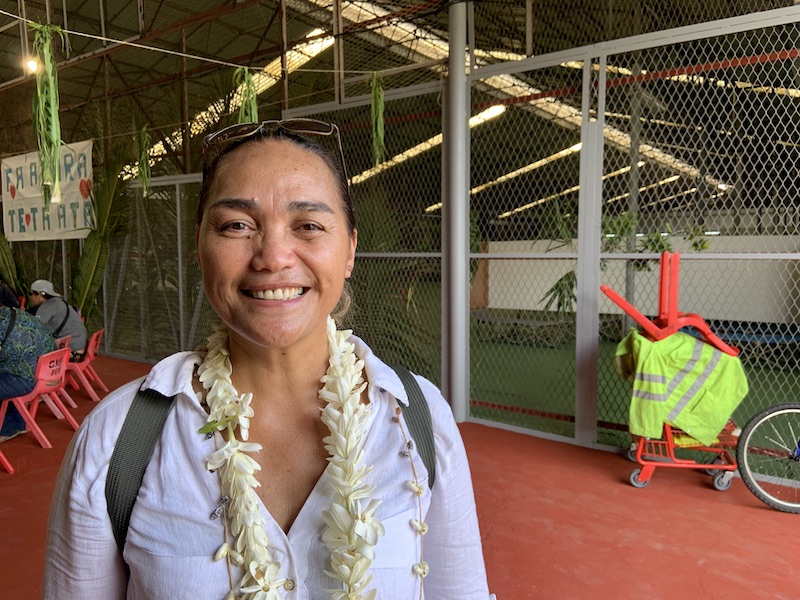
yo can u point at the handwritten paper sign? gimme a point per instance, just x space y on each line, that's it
24 216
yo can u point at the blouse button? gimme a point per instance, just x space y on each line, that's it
289 585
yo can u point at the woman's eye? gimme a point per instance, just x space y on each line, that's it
310 227
234 226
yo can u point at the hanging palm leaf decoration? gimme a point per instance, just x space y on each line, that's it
144 160
248 110
376 114
47 126
111 208
8 267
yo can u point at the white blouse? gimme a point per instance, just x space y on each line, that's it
173 537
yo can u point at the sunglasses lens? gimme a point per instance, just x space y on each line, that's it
236 132
306 126
231 133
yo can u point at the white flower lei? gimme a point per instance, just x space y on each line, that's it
352 530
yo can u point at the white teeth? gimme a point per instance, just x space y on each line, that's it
279 294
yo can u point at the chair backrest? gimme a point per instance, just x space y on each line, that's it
63 342
51 369
93 345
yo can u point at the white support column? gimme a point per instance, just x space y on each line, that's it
456 211
590 199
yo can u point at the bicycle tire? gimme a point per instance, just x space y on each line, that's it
768 454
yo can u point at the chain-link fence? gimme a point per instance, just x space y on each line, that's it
694 151
698 157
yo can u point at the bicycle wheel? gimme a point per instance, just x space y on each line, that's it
768 454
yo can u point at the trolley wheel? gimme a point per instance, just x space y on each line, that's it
631 454
714 461
635 481
768 455
722 480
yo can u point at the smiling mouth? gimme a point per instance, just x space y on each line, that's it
279 294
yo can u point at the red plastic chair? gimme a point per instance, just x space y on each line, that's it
51 371
63 342
669 320
6 465
82 369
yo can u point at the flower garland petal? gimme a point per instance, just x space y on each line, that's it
351 529
351 532
232 412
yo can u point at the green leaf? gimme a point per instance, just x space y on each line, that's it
47 125
144 160
562 294
111 206
90 270
209 427
376 118
7 265
248 110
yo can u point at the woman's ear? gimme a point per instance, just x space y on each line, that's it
352 257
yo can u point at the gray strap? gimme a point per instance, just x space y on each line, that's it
418 418
132 453
64 322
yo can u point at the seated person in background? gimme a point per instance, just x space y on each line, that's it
7 295
58 316
23 339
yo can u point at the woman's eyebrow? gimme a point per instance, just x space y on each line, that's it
295 206
309 206
234 203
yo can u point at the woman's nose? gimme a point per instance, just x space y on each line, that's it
272 251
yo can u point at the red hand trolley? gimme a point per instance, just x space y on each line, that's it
657 453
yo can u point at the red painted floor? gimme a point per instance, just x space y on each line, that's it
558 521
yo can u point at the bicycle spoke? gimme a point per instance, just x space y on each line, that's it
768 457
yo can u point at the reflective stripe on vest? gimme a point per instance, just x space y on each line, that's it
651 386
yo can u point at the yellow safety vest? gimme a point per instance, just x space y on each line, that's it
680 380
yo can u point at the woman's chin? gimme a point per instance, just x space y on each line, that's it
277 333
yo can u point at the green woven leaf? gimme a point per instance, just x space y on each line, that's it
248 110
47 126
376 117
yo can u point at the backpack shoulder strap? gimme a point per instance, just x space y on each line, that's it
64 320
418 418
132 452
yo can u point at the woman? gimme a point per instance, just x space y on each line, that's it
307 450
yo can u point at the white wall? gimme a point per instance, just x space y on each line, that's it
736 289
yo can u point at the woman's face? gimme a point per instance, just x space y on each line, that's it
273 244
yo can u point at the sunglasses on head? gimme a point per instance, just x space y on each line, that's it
240 131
